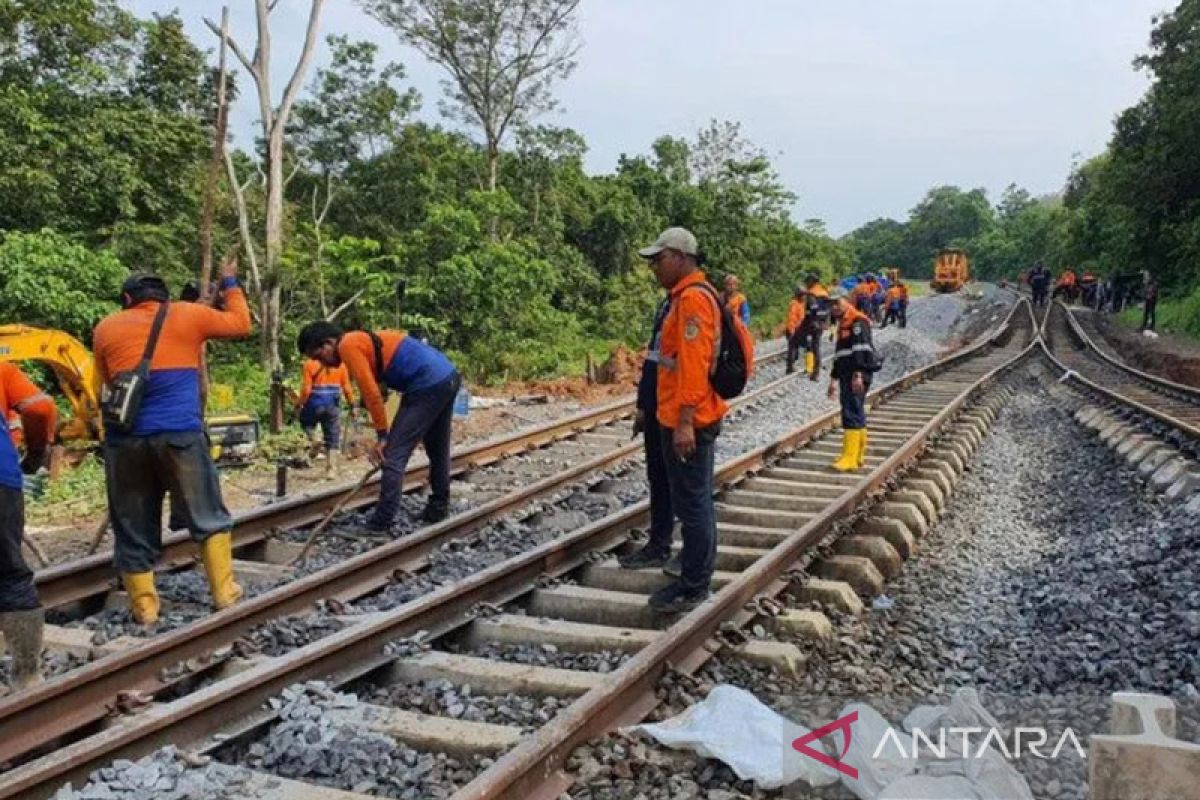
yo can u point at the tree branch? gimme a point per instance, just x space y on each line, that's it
239 198
233 45
310 42
332 315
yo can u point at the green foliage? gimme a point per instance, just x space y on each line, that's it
77 492
50 281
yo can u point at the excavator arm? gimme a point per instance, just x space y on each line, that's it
73 366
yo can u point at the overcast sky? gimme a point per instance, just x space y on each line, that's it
863 104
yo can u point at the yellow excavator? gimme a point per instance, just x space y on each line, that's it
234 437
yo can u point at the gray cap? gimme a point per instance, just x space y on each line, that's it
680 239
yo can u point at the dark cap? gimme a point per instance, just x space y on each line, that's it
145 287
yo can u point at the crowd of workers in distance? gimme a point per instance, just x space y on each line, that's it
1112 294
160 448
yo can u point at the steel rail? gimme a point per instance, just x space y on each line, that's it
73 700
85 578
531 769
1071 375
358 649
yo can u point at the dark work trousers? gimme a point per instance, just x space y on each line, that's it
139 471
897 315
16 578
795 343
662 517
811 335
1039 295
424 417
854 407
692 501
1148 315
330 420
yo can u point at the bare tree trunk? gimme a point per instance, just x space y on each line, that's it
274 122
214 165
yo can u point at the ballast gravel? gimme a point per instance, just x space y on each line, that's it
1055 578
308 744
446 699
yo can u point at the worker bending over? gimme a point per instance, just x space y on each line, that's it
897 305
854 362
21 615
321 389
735 301
689 410
795 327
428 382
816 318
166 449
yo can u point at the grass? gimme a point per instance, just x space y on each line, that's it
1176 315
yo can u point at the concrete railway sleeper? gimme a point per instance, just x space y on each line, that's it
151 666
778 504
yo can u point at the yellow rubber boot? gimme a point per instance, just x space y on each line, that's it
809 361
849 460
862 448
217 552
143 597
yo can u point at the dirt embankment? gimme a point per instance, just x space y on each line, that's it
1172 357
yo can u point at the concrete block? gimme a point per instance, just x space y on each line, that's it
919 500
785 657
615 578
430 733
958 448
261 572
907 513
929 473
1141 759
929 488
265 786
594 606
749 536
950 457
895 532
1113 434
1130 442
802 488
759 517
1150 464
1138 453
858 571
495 677
1086 413
837 595
804 623
792 504
1170 471
1186 486
885 558
280 552
573 637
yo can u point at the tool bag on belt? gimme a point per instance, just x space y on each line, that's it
122 398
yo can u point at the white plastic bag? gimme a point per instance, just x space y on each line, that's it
733 726
871 734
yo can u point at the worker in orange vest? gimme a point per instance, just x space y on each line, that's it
735 301
321 388
166 448
854 363
429 383
22 620
794 327
896 303
689 410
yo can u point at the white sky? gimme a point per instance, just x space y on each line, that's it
863 104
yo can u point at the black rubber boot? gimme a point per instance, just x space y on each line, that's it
435 511
23 635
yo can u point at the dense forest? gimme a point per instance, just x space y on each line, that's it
517 260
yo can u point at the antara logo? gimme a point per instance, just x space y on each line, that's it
801 745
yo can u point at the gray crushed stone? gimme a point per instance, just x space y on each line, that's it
307 744
281 636
443 698
167 774
549 655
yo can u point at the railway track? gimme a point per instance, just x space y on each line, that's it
80 586
1172 404
149 666
776 505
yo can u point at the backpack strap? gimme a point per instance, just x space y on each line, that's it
378 345
143 367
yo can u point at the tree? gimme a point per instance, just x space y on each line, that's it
274 121
354 112
503 57
49 281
